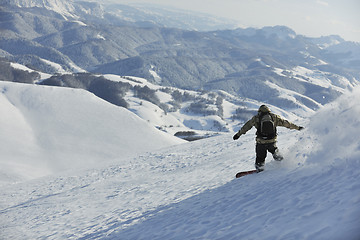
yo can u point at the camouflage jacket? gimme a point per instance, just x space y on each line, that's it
278 121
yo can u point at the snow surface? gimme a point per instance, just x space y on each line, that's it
49 129
154 74
183 191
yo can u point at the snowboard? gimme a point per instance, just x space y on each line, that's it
241 174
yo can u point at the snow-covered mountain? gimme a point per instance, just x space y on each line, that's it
141 14
186 191
272 65
102 39
63 7
52 4
187 114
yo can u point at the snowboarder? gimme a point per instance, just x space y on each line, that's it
265 122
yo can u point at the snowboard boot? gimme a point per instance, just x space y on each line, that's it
277 155
259 167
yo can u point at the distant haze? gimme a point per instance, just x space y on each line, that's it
313 18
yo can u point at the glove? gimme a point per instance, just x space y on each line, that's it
236 136
301 128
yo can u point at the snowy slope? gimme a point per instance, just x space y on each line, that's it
47 129
188 191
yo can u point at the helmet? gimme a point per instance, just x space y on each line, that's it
264 109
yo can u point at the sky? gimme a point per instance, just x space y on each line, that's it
312 18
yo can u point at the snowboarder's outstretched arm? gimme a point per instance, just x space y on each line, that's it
279 121
247 126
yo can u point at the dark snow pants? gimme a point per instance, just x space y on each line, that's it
261 152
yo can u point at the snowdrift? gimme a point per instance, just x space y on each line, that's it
45 130
189 191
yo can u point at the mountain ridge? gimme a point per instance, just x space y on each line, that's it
250 63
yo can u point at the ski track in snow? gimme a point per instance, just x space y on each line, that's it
188 191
